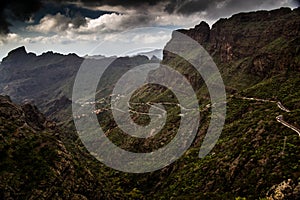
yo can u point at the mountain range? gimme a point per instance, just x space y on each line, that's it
256 157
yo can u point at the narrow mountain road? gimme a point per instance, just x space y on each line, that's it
280 120
280 117
97 111
278 103
256 99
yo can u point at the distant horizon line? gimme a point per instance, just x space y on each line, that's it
91 56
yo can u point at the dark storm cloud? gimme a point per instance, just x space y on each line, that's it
67 9
17 9
187 7
124 3
224 6
23 10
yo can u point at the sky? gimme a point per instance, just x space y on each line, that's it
110 27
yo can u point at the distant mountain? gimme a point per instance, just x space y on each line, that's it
47 80
98 57
27 77
156 53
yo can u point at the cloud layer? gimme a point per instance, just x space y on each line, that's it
25 10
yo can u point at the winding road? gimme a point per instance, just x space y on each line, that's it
278 103
280 117
280 120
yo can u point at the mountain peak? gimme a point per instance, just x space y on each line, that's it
17 54
202 26
18 51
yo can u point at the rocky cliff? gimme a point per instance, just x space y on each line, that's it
262 43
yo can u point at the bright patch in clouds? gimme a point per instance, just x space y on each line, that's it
151 38
56 24
9 38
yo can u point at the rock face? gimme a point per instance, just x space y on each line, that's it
201 32
244 34
263 42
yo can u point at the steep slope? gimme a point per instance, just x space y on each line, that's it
258 56
253 154
249 47
40 161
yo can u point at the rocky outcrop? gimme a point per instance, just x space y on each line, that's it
201 32
284 191
33 117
